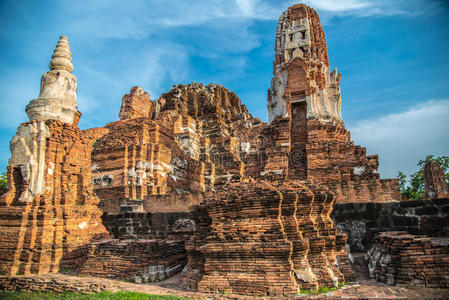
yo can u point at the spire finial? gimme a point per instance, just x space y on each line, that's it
62 58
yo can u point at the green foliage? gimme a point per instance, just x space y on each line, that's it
3 182
414 189
75 296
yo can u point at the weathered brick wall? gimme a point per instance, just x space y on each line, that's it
366 190
171 202
148 225
298 148
40 232
362 221
136 104
405 259
263 239
193 141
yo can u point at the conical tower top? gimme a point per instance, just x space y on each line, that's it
57 98
62 58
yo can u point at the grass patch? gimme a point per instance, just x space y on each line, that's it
322 289
75 296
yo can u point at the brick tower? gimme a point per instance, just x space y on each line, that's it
307 138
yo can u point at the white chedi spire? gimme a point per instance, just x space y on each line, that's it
62 57
57 98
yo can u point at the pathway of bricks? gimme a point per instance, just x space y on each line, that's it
365 289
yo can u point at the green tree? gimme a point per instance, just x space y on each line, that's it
414 189
3 182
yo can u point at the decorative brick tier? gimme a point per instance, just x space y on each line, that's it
405 259
261 238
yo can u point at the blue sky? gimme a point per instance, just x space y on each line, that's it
393 55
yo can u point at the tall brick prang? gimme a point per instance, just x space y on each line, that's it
301 68
306 137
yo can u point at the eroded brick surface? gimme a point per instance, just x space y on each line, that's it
192 141
435 181
306 137
50 210
134 260
362 221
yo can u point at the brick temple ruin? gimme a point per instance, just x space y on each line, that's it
193 181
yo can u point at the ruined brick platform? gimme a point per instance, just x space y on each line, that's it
134 260
260 238
405 259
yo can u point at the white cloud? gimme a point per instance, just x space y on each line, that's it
339 5
372 8
117 19
246 6
402 139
